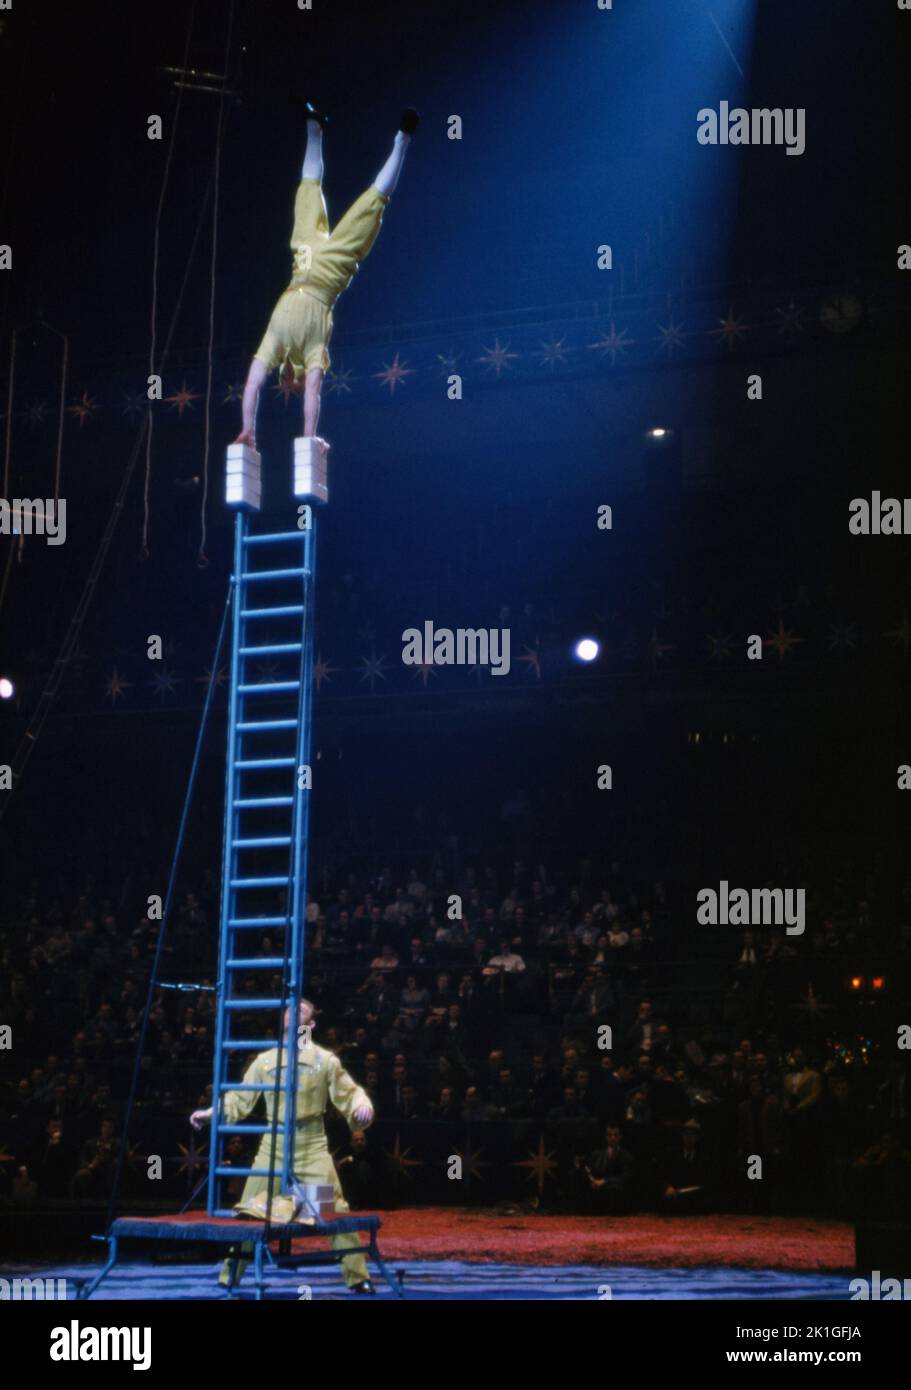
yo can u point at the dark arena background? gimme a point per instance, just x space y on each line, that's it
606 913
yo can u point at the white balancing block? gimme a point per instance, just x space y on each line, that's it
311 473
243 477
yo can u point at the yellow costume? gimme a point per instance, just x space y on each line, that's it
324 265
320 1077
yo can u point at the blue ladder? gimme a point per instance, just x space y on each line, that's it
266 821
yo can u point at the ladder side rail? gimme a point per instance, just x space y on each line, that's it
301 818
229 867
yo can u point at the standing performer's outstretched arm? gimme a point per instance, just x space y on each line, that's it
325 262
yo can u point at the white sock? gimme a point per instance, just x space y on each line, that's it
388 176
312 167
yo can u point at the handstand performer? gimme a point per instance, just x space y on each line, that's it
325 262
320 1077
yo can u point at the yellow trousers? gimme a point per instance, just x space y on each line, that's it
312 1163
325 263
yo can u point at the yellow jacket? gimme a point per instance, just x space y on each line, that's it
320 1077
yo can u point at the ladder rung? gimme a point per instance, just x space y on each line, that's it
267 537
245 1129
268 687
270 882
248 1045
265 842
255 963
257 921
245 803
225 1211
252 726
284 610
273 574
271 649
239 1086
240 1005
245 764
243 1172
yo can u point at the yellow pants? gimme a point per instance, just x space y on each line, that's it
325 263
312 1163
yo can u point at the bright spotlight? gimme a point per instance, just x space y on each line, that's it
659 432
6 688
587 649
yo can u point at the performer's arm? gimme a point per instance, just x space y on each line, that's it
238 1104
348 1097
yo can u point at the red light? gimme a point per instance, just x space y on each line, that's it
856 982
879 982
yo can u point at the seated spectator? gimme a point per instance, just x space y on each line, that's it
358 1174
609 1173
506 962
445 1107
686 1180
97 1163
386 961
414 1001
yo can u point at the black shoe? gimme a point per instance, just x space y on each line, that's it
365 1286
409 121
312 114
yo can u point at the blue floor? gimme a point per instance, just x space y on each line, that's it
453 1279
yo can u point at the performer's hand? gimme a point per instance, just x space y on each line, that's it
200 1118
364 1114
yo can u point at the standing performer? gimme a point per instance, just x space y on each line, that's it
325 263
320 1077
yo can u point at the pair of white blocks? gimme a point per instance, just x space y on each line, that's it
244 485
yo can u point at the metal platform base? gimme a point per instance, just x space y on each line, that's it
208 1230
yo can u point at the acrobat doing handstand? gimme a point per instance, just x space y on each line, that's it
325 263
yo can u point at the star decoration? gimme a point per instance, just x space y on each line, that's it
790 320
182 399
219 678
553 352
84 409
424 669
532 659
613 344
164 683
841 638
322 671
135 1158
731 330
288 385
115 686
497 357
233 392
540 1165
471 1162
400 1160
720 643
266 671
35 414
339 383
193 1158
901 635
448 362
393 373
782 641
373 669
670 337
134 403
657 648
